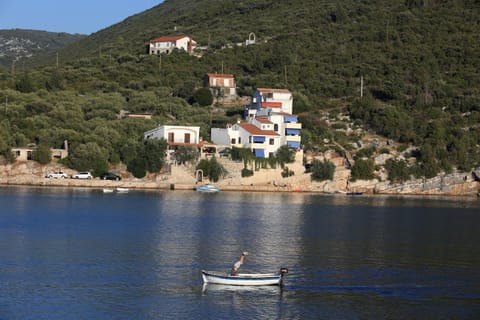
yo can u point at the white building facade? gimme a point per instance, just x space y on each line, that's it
168 44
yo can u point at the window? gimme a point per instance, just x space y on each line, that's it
233 141
171 137
187 138
272 141
275 127
239 140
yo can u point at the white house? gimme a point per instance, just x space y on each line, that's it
264 134
281 100
175 135
168 44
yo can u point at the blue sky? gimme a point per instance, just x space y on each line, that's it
71 16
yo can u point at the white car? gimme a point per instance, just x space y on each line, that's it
82 175
57 175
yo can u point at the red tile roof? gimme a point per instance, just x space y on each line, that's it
252 129
263 120
167 39
273 90
271 104
220 75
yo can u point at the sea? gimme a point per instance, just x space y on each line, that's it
85 254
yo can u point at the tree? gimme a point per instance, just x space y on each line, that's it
363 169
212 168
154 152
89 156
42 154
285 154
397 170
186 154
322 170
137 168
25 83
203 97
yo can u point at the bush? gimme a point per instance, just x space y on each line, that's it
397 170
363 169
287 172
42 154
212 169
247 173
322 170
137 168
203 97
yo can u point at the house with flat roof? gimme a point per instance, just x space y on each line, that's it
222 85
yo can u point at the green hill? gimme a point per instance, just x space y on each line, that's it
20 46
418 59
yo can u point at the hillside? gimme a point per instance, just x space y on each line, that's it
418 60
20 46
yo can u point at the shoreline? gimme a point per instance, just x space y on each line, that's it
165 186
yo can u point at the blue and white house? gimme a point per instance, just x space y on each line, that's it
268 126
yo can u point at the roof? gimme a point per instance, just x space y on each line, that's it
167 39
271 104
220 75
263 120
252 129
273 90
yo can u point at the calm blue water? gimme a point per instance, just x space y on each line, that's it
82 254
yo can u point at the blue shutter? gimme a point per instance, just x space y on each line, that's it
293 132
259 153
292 119
258 139
293 144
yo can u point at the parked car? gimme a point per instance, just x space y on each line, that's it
110 176
82 175
57 175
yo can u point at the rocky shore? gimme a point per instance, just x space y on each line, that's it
31 173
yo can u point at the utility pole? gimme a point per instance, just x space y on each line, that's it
361 86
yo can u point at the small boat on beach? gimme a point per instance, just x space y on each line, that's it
122 190
354 193
244 279
106 190
207 188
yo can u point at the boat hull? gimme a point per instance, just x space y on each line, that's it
243 279
207 188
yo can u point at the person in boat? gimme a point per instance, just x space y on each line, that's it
238 264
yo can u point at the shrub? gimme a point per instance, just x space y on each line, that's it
322 170
246 173
363 169
42 154
203 97
287 172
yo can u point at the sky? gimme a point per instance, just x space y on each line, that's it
71 16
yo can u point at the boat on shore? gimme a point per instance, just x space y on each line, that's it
244 279
207 188
106 190
122 190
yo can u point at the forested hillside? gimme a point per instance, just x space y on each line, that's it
418 59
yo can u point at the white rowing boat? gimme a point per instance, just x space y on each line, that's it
244 279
